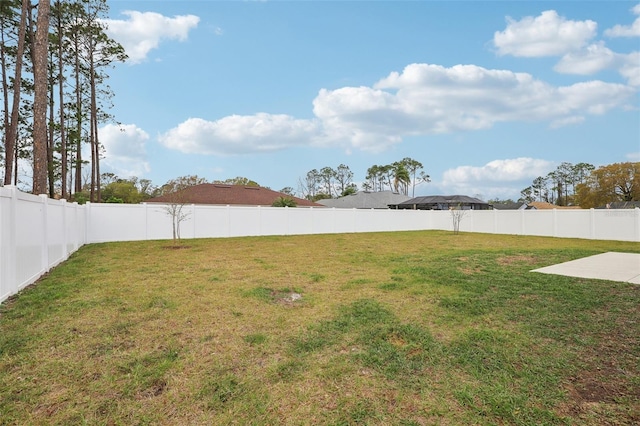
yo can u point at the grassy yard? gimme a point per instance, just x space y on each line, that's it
412 328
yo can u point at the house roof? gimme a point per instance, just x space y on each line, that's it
512 206
542 205
365 200
443 199
214 193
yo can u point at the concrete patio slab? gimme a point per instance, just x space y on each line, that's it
610 266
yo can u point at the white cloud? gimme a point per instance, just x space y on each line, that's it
514 169
546 35
423 99
467 97
125 151
144 31
630 68
496 178
632 30
596 58
590 60
361 117
238 134
552 35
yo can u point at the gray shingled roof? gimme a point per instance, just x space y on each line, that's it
365 200
440 201
512 206
450 199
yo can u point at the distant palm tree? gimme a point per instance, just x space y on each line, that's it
401 178
284 202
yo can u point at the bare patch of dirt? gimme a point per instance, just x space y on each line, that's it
469 268
509 260
176 247
286 298
154 390
470 271
609 375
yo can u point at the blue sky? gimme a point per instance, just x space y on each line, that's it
488 95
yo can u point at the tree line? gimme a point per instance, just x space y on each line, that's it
327 182
585 185
55 56
604 185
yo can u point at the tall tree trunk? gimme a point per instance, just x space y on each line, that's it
92 139
12 130
78 177
51 144
95 143
40 83
63 136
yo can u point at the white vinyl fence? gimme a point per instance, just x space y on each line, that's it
37 233
120 222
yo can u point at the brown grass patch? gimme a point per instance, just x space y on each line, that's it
521 258
606 385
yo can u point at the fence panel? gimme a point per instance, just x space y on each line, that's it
539 222
273 220
36 233
509 222
115 222
30 227
55 232
211 221
8 284
300 221
573 224
622 225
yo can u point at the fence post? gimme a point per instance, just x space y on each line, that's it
286 221
77 232
260 220
592 223
87 223
193 221
44 248
8 284
354 222
146 221
85 213
637 223
65 242
555 223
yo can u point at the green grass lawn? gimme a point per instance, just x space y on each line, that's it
410 328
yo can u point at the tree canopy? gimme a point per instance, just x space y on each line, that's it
55 92
238 181
609 184
558 186
327 182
